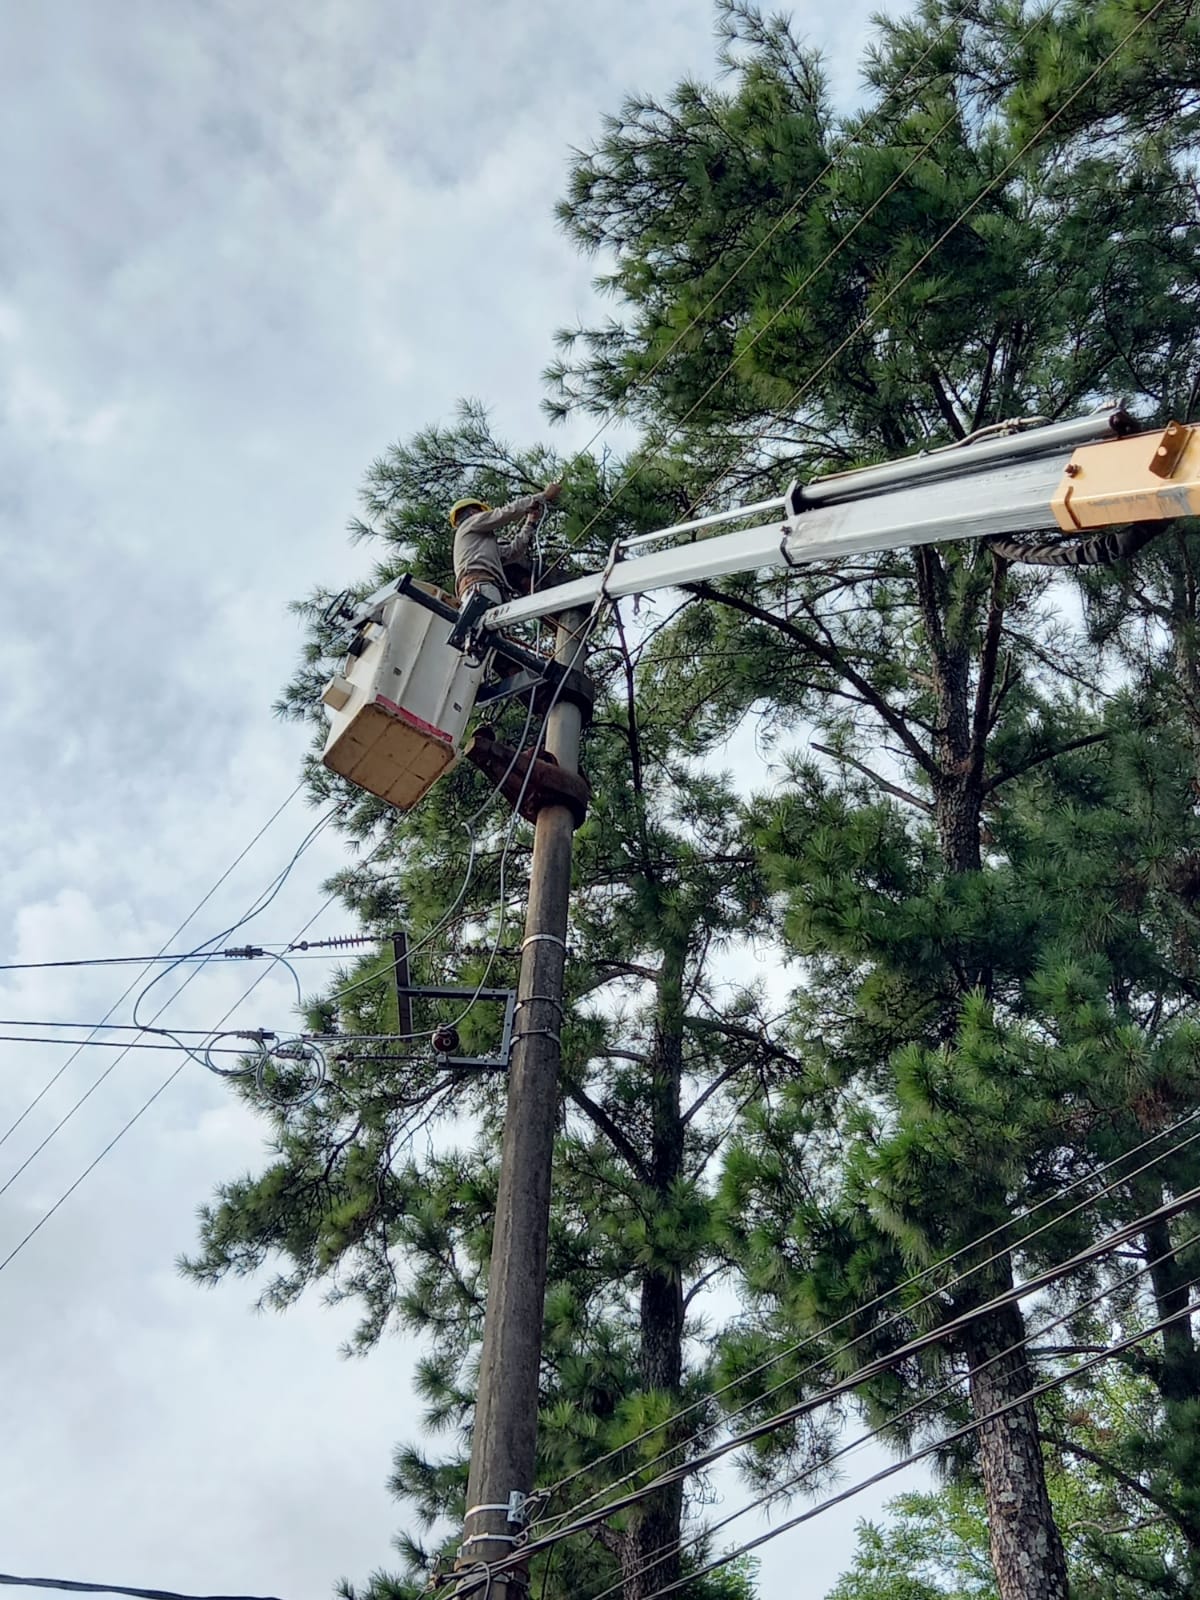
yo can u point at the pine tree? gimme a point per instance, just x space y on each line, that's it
827 266
656 1055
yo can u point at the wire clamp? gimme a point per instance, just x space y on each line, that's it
536 1033
546 999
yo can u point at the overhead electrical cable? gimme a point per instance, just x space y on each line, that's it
743 350
199 906
260 952
73 1586
927 254
260 903
878 1367
1035 1392
144 1107
785 217
890 294
1087 1181
791 1485
112 1044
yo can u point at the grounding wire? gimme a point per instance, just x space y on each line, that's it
880 1300
791 1485
236 862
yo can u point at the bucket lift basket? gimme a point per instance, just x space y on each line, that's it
400 704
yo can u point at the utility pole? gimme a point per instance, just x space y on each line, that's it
505 1431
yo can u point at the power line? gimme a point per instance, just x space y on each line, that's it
260 952
830 255
905 1416
170 1078
236 862
1035 1392
111 1044
879 1300
95 1027
873 1369
973 205
967 211
789 215
74 1587
260 903
148 1102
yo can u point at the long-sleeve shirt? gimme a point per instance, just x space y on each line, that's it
479 554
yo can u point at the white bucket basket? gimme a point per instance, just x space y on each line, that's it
398 710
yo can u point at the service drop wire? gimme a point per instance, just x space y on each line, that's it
700 1435
235 863
204 951
792 1484
151 1098
112 1066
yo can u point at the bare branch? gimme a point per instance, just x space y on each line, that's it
876 778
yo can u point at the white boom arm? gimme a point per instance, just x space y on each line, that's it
1067 477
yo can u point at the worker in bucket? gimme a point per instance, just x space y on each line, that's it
481 559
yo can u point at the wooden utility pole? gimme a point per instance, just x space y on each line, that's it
505 1432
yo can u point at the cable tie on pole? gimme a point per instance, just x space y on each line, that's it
548 938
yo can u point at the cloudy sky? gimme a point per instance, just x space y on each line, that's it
243 246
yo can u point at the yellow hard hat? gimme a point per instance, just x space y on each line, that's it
459 506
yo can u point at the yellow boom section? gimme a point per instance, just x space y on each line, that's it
1146 478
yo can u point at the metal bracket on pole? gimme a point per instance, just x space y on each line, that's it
526 779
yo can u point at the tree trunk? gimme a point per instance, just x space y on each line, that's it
1027 1553
651 1558
1179 1384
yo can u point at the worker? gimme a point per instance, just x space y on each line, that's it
481 559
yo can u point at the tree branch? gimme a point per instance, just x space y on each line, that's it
989 656
875 777
1042 756
1125 1479
601 1119
702 1100
832 658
